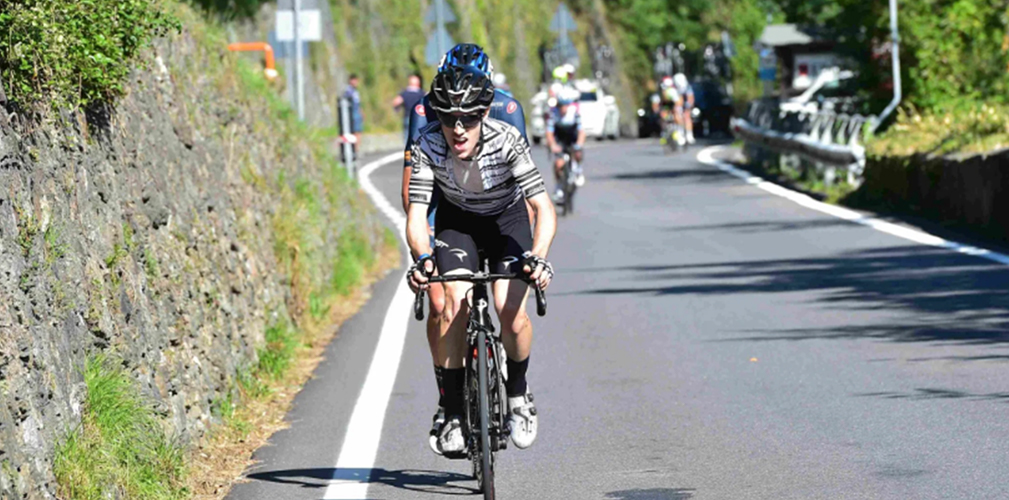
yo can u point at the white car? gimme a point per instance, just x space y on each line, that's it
600 114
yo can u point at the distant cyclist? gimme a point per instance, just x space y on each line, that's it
670 107
504 108
565 133
485 173
687 93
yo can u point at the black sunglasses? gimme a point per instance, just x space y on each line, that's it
467 121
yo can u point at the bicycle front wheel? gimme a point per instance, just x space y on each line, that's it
486 452
569 189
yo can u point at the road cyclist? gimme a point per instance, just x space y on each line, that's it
671 114
483 171
504 108
685 110
565 136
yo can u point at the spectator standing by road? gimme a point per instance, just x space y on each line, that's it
356 115
407 100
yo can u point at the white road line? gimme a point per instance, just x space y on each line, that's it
706 156
357 456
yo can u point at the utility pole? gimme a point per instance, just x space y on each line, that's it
298 70
895 58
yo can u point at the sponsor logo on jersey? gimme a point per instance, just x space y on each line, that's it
408 156
512 106
419 109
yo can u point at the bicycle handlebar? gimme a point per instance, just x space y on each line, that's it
541 299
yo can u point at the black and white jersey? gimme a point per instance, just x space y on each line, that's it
500 173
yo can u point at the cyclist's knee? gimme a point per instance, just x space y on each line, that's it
437 295
514 319
579 154
454 301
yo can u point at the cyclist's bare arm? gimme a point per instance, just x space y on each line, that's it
581 137
406 188
551 141
417 235
546 228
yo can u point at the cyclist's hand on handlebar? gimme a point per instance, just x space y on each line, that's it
557 149
539 270
418 274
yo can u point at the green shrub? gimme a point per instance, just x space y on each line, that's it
74 52
276 356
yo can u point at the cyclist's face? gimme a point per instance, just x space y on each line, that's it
462 132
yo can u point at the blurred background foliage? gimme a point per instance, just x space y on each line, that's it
955 53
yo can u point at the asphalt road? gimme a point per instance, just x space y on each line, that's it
706 339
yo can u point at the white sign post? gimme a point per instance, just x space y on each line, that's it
309 28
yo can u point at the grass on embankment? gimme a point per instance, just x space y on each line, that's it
121 449
965 128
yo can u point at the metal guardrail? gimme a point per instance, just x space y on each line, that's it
832 139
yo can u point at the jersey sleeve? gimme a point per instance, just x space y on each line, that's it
417 122
524 170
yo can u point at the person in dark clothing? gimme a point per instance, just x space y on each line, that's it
407 100
356 115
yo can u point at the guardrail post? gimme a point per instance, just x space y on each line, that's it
346 135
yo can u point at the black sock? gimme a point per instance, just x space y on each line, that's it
439 376
454 381
516 383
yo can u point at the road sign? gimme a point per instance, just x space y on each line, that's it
437 45
562 21
440 41
446 13
309 21
309 25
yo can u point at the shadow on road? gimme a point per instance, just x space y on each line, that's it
954 298
767 226
929 394
652 494
421 481
691 174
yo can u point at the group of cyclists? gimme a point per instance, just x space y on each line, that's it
471 191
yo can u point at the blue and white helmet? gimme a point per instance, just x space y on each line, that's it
467 54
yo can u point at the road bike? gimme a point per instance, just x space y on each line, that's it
673 136
487 427
570 178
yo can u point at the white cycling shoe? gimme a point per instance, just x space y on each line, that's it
580 179
524 422
450 439
436 424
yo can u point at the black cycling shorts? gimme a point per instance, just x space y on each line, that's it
461 236
566 136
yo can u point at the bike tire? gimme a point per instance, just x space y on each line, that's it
486 450
569 189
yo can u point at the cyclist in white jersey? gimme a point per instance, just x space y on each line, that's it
484 171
